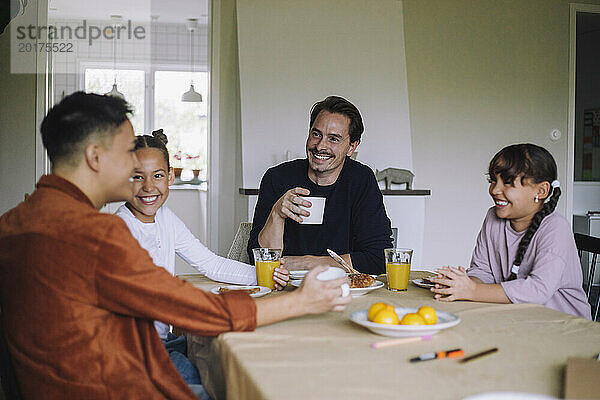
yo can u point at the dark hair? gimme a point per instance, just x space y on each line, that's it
158 141
527 161
339 105
78 116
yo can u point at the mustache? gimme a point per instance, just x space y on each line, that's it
314 151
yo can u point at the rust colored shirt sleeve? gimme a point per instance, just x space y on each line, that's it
128 282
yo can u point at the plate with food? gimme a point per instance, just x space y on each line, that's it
404 322
423 283
301 274
254 291
360 284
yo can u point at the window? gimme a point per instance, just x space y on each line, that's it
159 106
185 124
129 82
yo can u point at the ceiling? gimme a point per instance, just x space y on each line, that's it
135 10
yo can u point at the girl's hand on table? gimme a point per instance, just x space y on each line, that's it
281 276
452 284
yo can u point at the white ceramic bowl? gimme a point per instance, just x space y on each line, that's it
445 320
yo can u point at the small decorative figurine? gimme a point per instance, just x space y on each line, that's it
396 176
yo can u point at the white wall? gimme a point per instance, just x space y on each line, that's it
227 208
482 74
293 54
17 122
407 213
189 204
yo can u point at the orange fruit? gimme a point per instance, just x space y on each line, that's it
386 316
429 315
375 308
412 319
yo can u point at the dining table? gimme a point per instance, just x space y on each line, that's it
328 356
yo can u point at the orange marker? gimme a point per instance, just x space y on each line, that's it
455 353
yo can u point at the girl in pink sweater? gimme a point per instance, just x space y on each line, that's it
525 251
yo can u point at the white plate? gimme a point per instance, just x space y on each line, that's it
355 292
298 274
263 290
420 283
445 320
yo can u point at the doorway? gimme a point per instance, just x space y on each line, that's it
584 117
585 108
150 53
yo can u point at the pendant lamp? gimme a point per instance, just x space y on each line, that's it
116 20
191 95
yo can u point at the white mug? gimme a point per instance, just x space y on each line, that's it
316 211
335 273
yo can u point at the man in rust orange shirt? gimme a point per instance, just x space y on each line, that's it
78 292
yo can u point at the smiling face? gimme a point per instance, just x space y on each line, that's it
516 201
327 146
151 182
117 163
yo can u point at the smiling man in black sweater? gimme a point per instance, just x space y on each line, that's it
355 224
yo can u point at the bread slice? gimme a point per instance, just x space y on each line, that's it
249 291
360 280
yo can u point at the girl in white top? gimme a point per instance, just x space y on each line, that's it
163 234
525 251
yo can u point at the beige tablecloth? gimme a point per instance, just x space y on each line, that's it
327 356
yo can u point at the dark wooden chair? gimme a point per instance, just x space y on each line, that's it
591 246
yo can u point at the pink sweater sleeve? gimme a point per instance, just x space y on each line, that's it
541 284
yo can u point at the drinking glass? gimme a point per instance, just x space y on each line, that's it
266 260
397 268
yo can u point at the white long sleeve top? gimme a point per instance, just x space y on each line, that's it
168 236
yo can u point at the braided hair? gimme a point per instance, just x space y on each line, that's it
527 161
158 141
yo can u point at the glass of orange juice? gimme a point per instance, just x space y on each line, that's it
266 260
397 268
